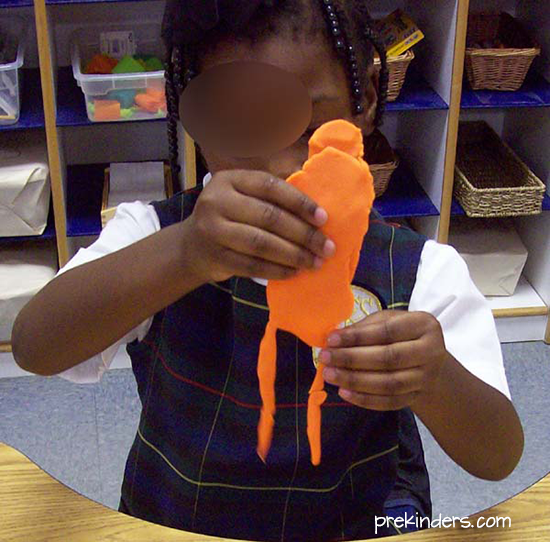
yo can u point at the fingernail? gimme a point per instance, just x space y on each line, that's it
334 340
324 357
321 216
318 262
329 248
329 374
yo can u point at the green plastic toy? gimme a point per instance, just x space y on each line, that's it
150 63
128 64
154 64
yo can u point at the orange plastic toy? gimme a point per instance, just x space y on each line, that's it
152 100
101 64
315 302
106 110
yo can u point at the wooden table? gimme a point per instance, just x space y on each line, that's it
36 508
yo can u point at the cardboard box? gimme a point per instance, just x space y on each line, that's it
134 184
493 251
399 33
24 184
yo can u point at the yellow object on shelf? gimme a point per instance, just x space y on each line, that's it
399 33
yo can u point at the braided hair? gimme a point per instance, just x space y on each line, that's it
193 28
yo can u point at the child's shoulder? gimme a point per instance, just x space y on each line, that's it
178 207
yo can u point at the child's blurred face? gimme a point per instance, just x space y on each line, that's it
323 75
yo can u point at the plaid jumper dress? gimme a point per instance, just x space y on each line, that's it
193 464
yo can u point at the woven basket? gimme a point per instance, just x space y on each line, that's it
397 68
498 69
490 179
382 174
382 160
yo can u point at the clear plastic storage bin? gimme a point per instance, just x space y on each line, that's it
102 92
12 55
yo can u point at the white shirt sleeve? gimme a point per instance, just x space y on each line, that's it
132 222
444 289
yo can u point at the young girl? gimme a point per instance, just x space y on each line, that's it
182 283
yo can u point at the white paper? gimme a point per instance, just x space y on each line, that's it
24 185
25 269
493 251
136 181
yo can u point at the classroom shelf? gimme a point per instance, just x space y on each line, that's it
32 110
84 192
525 297
15 3
49 232
417 95
71 108
405 197
535 92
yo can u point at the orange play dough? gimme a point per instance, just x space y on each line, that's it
315 302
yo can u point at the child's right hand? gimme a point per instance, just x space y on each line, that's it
252 224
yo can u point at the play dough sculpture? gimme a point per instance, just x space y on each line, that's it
315 302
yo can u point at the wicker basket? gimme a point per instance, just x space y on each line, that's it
382 160
382 173
490 179
397 68
498 69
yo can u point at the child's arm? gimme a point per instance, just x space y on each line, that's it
400 360
395 359
244 223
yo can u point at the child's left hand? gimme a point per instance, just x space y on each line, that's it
388 361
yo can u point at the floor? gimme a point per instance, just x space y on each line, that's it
81 434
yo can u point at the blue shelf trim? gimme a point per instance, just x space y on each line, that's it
49 232
535 92
32 109
405 197
546 202
57 2
417 95
457 209
15 3
71 107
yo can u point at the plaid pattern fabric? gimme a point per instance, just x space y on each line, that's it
193 464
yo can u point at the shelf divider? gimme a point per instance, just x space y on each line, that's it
54 155
454 117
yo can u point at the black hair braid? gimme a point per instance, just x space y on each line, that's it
173 118
340 32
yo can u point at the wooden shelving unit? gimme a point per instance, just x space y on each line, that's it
422 125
